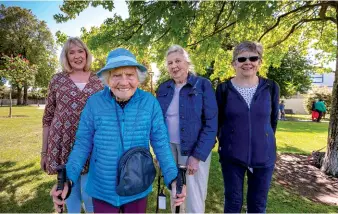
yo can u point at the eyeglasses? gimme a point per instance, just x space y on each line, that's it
251 58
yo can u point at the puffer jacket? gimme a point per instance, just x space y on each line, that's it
98 134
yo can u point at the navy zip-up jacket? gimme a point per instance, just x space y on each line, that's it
247 136
198 114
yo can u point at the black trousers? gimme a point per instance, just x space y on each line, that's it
320 115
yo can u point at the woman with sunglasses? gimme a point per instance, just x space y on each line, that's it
248 115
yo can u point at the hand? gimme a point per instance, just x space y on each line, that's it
178 198
192 165
43 163
57 202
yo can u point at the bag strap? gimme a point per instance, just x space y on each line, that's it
225 92
119 125
271 88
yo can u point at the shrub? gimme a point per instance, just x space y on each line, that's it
318 93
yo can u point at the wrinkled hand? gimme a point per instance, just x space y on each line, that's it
178 198
43 163
57 202
192 165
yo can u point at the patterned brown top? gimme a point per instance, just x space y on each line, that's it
62 114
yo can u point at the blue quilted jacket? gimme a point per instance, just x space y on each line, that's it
98 134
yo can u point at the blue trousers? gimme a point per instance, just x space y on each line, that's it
78 194
258 187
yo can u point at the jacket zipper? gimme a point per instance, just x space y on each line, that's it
122 131
258 90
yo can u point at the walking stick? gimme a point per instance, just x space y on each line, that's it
180 182
61 179
158 189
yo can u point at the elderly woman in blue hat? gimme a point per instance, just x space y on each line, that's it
115 121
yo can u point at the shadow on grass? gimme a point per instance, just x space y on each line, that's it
23 189
290 149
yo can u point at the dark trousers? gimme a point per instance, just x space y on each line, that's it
320 116
258 187
138 206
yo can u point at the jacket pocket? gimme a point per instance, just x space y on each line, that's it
196 103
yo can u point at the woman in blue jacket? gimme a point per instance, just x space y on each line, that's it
115 120
189 107
248 115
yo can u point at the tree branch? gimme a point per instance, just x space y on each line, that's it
212 34
219 15
165 33
294 27
286 14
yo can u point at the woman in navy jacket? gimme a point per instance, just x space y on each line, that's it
189 106
248 115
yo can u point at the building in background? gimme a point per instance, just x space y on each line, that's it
296 103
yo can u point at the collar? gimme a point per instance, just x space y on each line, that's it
191 80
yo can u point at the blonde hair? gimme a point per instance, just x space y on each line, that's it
179 49
106 75
63 56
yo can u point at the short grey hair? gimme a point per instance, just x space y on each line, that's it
179 49
106 75
247 46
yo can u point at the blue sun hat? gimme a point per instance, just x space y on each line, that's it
120 57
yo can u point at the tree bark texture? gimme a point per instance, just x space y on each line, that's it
25 94
330 163
19 100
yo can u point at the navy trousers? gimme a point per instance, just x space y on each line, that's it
258 187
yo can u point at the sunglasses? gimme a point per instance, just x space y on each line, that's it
251 58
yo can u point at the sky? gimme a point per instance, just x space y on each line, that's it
44 10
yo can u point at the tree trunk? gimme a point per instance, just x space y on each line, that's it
10 103
330 163
25 94
19 100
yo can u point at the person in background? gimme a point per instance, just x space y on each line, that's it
320 108
314 113
248 116
119 118
189 107
282 110
68 92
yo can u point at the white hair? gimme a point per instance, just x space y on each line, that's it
106 75
179 49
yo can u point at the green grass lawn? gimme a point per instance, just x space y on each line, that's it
25 188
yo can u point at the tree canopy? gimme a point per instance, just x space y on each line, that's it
22 33
293 75
207 29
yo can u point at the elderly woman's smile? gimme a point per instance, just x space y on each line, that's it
123 82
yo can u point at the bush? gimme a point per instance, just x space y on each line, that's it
318 93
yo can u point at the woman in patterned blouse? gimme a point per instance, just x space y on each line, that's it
67 94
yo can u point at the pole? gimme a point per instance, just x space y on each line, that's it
181 181
10 102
